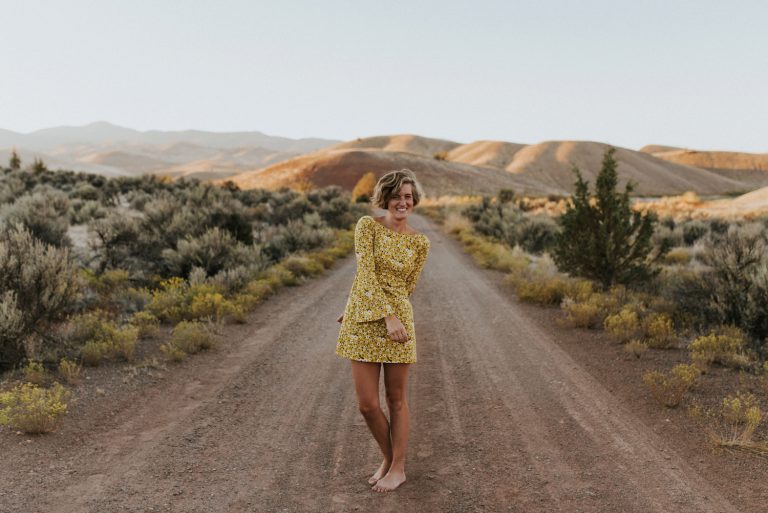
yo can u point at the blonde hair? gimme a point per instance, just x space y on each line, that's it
390 183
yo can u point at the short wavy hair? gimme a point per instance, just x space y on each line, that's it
390 183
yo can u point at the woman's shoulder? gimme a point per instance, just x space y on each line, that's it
369 220
365 221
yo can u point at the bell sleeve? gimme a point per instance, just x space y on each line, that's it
371 302
418 265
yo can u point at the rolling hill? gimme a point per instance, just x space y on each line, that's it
108 149
447 167
749 168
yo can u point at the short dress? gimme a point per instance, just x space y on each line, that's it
388 266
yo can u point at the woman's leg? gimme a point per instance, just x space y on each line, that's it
366 378
396 381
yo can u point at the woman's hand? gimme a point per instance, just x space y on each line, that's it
341 318
395 329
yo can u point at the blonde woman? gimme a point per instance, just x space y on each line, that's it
377 328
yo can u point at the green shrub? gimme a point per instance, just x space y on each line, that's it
497 220
295 236
116 241
693 231
37 286
737 285
93 325
102 339
44 215
230 281
606 241
123 344
537 234
191 337
215 250
94 352
81 212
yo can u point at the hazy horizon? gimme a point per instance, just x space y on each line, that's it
691 75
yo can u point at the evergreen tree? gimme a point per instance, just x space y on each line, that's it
14 162
38 166
602 238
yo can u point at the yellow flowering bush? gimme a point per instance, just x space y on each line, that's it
724 346
670 388
33 409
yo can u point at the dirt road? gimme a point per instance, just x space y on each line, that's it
502 420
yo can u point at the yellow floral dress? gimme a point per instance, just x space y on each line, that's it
388 265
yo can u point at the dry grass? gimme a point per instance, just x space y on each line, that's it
456 223
636 348
35 373
678 256
302 265
449 201
736 422
70 371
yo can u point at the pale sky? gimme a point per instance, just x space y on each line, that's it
629 73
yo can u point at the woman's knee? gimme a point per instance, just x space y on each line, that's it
369 408
396 401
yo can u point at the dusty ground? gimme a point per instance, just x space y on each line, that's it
509 413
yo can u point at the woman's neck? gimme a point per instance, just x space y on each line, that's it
395 224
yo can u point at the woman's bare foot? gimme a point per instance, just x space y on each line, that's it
389 482
383 468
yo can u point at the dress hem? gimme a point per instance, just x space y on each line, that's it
370 361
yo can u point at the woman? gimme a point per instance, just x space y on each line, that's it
377 325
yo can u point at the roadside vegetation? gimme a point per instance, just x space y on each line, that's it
693 289
97 271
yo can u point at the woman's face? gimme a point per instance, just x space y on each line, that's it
401 203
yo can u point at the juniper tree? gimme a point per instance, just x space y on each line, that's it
14 162
603 239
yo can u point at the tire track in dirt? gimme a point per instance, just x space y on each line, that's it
502 420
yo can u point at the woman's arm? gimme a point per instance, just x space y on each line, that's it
418 265
371 302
